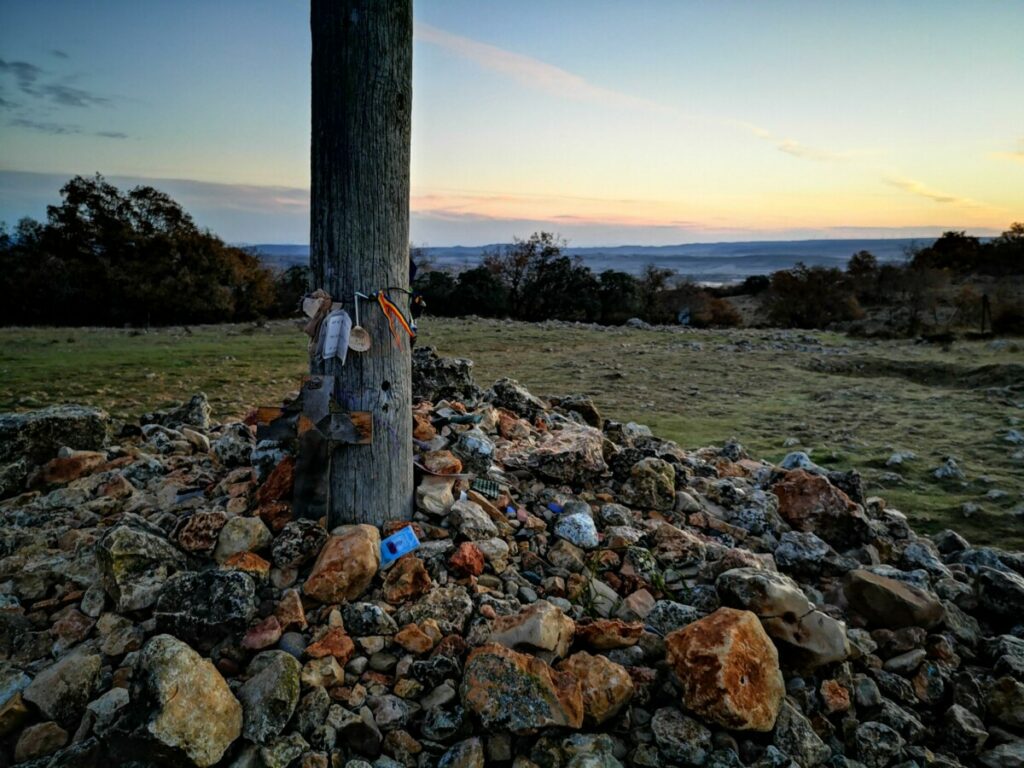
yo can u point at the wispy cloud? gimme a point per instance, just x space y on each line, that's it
799 149
69 96
25 74
29 79
541 75
532 72
57 53
921 189
54 128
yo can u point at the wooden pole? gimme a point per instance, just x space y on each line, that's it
359 235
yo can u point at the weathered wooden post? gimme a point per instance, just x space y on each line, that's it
359 235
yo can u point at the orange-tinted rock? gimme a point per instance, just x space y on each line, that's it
728 669
413 639
422 429
442 462
519 693
605 634
467 559
336 643
290 612
605 685
275 515
811 503
511 427
835 696
279 483
406 579
250 563
346 565
65 469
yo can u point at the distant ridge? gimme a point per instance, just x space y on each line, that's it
710 262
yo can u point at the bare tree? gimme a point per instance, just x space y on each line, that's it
359 238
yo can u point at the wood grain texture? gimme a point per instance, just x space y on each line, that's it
359 238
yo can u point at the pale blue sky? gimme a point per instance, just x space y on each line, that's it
647 122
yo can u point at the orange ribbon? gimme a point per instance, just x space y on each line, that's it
392 313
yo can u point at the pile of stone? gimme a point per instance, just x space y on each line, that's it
605 599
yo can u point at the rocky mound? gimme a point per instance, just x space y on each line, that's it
585 595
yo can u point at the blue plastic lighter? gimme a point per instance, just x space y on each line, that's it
398 544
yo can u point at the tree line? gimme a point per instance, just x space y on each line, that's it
110 257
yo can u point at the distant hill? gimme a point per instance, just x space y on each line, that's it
706 262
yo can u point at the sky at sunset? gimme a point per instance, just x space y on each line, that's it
650 122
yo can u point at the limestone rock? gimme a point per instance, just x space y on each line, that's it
62 690
38 741
346 565
38 435
516 692
270 695
241 534
470 520
541 626
651 485
729 670
890 603
135 560
605 685
183 702
572 454
786 614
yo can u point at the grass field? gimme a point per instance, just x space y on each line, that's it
849 403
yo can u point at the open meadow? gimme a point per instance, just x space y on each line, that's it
848 403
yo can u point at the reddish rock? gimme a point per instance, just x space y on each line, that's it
811 503
422 429
467 559
71 627
835 696
250 563
406 579
275 514
728 669
263 635
346 565
279 483
605 634
511 427
605 685
199 532
413 639
335 642
519 693
65 469
290 612
442 462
